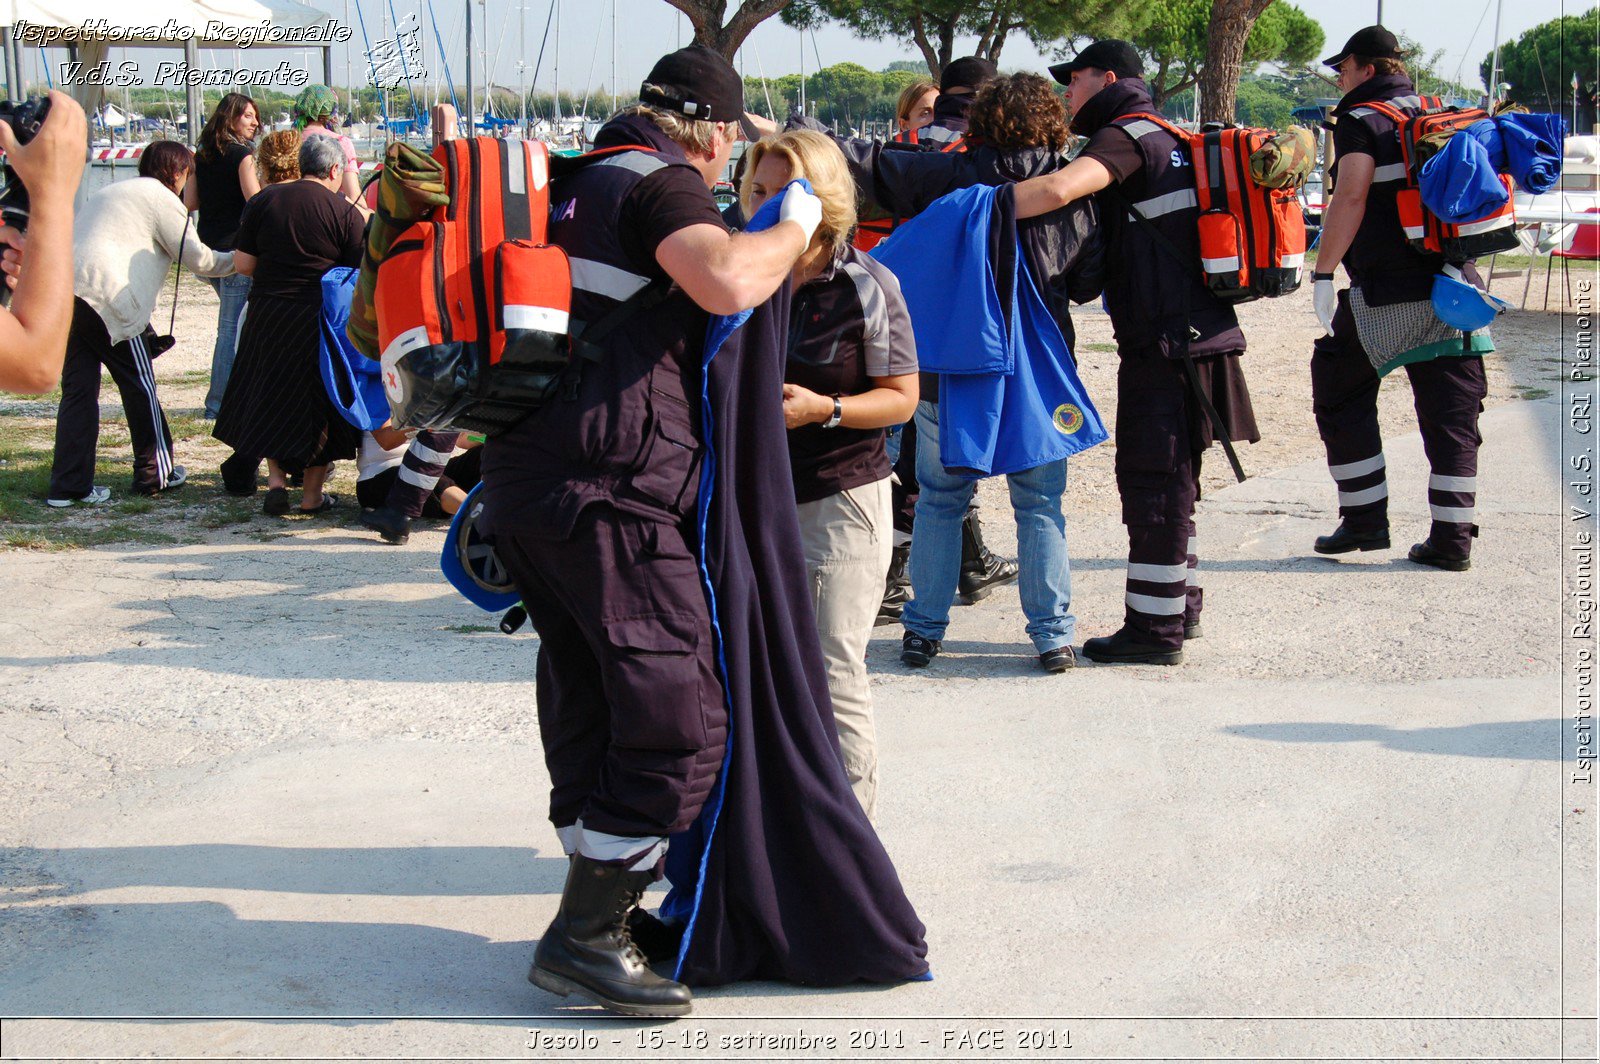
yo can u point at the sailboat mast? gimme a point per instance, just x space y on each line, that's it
1494 64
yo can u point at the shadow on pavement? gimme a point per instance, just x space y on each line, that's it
1529 740
393 871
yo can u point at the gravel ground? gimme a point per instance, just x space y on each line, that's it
219 749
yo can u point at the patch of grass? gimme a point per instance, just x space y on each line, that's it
231 512
187 426
1099 346
25 474
64 538
469 629
1524 392
137 505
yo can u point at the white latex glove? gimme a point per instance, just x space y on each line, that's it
801 208
1326 301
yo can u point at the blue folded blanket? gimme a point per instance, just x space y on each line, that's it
1461 183
1533 146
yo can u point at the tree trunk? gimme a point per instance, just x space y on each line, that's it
1158 86
1231 22
706 17
936 49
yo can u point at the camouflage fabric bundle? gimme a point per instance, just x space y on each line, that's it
1286 160
411 185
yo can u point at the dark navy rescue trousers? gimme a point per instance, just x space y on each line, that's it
1448 393
631 709
1158 478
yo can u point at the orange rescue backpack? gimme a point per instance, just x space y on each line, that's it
473 304
1252 237
1457 242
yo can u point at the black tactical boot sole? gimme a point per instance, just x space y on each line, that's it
561 986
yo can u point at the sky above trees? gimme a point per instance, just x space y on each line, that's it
647 28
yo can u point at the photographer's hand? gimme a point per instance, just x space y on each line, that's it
51 164
16 242
33 337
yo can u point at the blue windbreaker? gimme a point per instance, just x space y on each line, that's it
1009 394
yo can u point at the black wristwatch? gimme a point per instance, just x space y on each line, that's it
1321 277
838 413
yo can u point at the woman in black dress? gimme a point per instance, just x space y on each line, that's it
275 405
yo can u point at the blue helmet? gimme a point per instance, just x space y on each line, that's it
1461 304
470 563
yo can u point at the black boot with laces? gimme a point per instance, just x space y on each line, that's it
982 570
588 949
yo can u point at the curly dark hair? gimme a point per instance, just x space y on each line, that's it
1019 111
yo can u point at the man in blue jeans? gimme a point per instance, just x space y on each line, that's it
1045 575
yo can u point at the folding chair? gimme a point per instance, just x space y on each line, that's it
1585 247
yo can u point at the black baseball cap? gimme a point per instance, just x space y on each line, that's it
1374 42
1119 57
697 83
968 72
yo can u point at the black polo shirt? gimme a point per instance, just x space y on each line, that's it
847 325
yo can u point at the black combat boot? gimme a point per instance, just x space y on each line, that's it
1342 540
392 525
588 949
896 588
1425 553
1128 647
981 570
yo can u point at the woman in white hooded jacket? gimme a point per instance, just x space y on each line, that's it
124 242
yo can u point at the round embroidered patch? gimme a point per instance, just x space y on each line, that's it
1068 419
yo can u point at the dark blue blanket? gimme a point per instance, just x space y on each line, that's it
782 877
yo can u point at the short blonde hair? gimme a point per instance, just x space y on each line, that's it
691 134
818 159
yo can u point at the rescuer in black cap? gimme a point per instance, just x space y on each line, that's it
589 501
1178 345
1361 229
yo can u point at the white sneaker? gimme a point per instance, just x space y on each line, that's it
177 478
97 495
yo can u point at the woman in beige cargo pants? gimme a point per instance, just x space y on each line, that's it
851 373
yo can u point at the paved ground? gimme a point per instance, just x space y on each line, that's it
300 780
